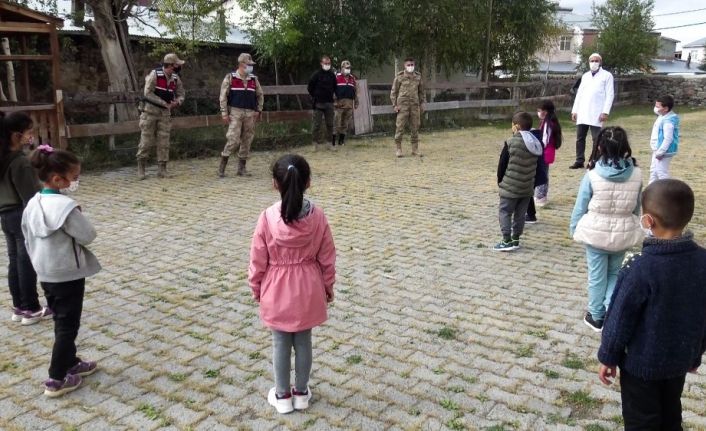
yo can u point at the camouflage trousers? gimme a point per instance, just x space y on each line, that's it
154 130
343 119
241 131
408 115
322 111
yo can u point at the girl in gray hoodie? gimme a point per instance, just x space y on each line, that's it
57 233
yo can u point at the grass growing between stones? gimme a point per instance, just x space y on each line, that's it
581 403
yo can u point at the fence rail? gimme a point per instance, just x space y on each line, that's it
520 93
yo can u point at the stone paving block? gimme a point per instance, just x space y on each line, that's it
412 237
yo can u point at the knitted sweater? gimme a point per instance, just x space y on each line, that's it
656 323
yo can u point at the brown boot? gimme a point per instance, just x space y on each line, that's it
162 172
222 167
242 172
141 169
398 151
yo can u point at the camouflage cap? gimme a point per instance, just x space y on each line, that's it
172 58
245 58
345 63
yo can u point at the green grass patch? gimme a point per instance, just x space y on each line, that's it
551 374
574 362
581 403
176 377
354 359
211 374
449 405
524 351
447 333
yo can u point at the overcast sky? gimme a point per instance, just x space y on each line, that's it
685 34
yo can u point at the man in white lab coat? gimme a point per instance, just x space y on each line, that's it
594 99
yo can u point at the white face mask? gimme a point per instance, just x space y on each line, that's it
326 67
647 230
72 188
346 71
409 69
248 69
594 66
541 114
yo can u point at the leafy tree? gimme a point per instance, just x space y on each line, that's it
522 28
626 40
191 24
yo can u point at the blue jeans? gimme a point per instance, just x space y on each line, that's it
603 267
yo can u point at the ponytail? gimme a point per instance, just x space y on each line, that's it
291 173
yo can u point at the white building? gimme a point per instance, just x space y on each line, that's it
697 50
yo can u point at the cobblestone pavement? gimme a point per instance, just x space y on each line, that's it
430 330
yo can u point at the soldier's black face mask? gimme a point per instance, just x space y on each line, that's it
177 70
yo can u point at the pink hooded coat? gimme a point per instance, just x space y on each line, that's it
292 269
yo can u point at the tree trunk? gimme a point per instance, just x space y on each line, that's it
277 82
11 89
109 30
3 98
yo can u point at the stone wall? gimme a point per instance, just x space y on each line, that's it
687 90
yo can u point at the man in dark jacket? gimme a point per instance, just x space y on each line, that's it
322 86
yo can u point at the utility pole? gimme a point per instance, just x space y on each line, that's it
487 42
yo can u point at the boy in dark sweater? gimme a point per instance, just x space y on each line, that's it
655 329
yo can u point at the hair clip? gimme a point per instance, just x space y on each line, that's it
44 148
290 167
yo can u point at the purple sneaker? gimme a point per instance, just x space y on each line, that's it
17 314
56 388
83 368
30 318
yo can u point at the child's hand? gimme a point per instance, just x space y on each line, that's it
605 373
329 297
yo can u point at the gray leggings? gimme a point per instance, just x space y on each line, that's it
282 343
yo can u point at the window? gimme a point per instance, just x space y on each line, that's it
565 43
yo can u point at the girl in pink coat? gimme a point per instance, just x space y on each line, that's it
291 274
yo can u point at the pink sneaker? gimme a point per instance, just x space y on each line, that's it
31 318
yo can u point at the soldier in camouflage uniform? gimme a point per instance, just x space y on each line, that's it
241 102
407 98
346 99
163 92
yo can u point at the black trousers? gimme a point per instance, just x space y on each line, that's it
66 299
581 133
651 404
21 277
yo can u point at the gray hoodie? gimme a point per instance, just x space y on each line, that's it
56 233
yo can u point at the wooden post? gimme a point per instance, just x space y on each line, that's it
59 131
11 89
111 120
25 71
362 116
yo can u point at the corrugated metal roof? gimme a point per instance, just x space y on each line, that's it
696 44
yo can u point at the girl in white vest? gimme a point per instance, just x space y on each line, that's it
606 217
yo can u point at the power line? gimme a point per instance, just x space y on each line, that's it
681 26
680 12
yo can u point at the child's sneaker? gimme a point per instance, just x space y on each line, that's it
17 314
515 242
504 246
56 388
83 368
530 219
596 325
301 399
282 405
31 318
541 202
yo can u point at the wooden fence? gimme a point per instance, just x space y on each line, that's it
472 95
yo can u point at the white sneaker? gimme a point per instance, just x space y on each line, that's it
282 405
301 402
32 318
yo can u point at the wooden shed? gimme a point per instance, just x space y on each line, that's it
29 70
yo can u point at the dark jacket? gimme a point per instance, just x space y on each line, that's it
656 323
518 165
18 182
322 86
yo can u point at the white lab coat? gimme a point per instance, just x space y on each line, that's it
593 98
